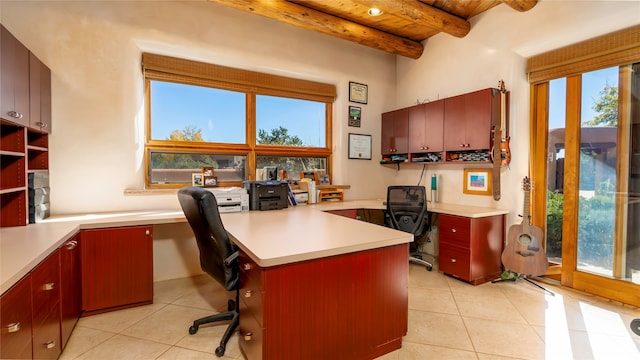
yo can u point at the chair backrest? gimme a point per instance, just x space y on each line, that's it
407 208
201 210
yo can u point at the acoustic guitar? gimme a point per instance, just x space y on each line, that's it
523 254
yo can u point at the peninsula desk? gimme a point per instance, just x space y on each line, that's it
314 285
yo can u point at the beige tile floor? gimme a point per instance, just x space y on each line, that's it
448 319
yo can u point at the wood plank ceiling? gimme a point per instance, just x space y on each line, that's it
399 29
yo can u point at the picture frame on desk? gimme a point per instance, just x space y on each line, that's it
196 179
477 182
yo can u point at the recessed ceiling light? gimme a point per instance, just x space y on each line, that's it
374 12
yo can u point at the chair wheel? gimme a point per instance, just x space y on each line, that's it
193 329
231 305
635 326
429 268
220 351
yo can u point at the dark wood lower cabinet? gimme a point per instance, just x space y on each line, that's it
15 318
352 306
45 294
470 248
70 287
117 268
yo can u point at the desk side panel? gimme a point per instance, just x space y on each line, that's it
352 306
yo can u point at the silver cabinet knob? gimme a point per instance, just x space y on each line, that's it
453 260
248 336
71 245
247 266
15 114
248 293
454 230
15 327
50 344
49 286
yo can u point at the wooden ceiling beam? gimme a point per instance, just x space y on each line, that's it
521 5
310 19
426 15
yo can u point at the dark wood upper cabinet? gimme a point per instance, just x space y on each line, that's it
425 127
39 95
14 81
468 119
395 132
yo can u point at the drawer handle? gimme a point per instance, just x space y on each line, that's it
147 232
15 327
71 245
247 266
248 336
15 114
50 344
454 230
453 260
49 286
248 293
41 124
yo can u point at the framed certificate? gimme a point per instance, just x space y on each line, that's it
358 93
359 146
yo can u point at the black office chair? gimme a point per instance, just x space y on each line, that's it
407 211
218 256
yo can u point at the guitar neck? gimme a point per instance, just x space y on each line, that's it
503 111
526 218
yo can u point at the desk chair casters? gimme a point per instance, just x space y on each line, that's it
231 314
218 256
635 326
407 211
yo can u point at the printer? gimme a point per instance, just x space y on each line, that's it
267 195
232 199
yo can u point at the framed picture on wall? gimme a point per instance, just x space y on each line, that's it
358 93
360 146
477 182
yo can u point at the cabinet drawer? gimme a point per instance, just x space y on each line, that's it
15 319
45 289
455 230
46 338
455 261
250 333
251 290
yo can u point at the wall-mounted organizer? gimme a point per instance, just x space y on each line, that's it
25 123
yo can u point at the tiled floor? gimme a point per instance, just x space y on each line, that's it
448 319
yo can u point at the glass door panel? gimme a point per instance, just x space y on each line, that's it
555 168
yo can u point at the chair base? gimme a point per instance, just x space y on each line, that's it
232 315
417 259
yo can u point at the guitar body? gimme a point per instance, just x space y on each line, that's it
524 253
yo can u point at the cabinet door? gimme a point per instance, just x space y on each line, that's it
70 287
117 268
395 132
15 318
454 123
14 84
434 114
417 129
40 95
478 119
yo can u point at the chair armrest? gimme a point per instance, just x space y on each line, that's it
231 258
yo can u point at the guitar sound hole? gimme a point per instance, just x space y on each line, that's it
524 239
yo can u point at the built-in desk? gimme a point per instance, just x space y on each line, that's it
322 277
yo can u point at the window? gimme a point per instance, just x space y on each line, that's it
237 121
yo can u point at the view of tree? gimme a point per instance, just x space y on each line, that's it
279 136
187 134
183 161
606 107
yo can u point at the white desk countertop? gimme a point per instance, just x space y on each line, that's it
270 237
